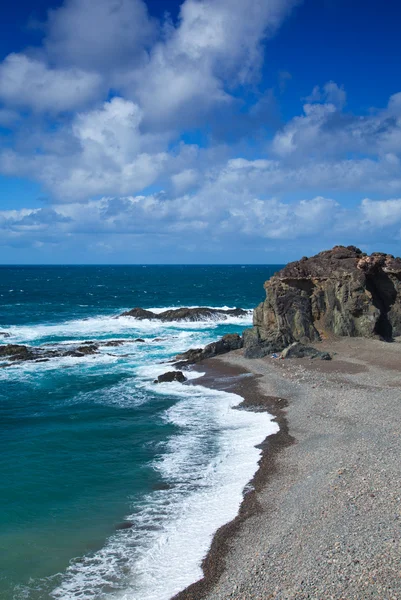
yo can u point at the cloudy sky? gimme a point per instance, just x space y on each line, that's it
206 131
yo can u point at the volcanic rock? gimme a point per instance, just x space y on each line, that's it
231 341
298 350
16 352
340 292
185 314
171 376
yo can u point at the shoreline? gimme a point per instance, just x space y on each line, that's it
237 380
322 519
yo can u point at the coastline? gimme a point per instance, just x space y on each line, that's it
221 375
288 541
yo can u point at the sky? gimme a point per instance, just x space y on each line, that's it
202 131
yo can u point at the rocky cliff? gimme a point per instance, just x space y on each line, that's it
341 292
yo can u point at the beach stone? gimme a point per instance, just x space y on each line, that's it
171 376
340 292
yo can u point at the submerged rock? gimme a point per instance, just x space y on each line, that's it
185 314
16 352
171 376
341 292
4 334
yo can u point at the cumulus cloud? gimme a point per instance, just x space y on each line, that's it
330 93
29 83
381 213
324 130
183 222
120 91
98 35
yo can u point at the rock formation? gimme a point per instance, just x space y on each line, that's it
18 352
230 341
185 314
340 292
171 376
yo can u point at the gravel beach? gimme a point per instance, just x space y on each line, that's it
323 519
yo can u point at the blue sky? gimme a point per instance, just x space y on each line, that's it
206 131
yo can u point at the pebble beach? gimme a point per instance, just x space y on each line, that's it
321 518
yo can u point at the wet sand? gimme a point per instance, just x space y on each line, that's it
322 516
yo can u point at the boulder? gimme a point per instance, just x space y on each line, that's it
4 334
298 350
171 376
340 292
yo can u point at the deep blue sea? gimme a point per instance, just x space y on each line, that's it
89 443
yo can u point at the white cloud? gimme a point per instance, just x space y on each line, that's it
324 130
330 93
381 213
216 41
28 83
99 34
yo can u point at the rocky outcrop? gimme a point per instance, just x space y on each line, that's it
185 314
231 341
171 376
341 292
18 352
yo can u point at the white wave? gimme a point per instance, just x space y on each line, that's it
159 310
99 326
208 463
152 371
31 368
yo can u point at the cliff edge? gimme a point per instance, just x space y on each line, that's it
340 292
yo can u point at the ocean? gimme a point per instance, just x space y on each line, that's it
111 487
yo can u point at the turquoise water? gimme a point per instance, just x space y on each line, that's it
90 443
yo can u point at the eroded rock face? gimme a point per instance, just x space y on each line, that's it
340 292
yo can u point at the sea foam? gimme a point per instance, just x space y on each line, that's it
205 467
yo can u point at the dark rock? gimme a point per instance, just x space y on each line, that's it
139 313
185 314
298 350
87 349
113 343
231 341
16 352
199 314
171 376
139 340
341 292
4 334
124 525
